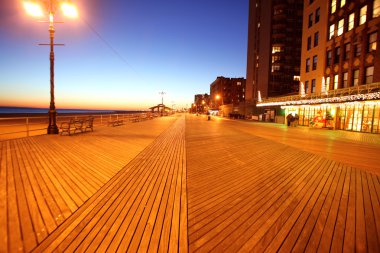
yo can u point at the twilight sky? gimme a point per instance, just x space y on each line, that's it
120 54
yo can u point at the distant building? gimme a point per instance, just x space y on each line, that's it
201 103
340 67
274 48
228 92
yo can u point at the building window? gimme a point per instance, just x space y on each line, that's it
310 19
355 80
313 86
372 42
337 55
317 14
345 79
376 9
358 50
316 39
328 58
342 3
331 31
351 21
309 43
363 15
306 87
347 50
327 83
315 61
307 64
340 27
333 6
369 75
276 50
336 79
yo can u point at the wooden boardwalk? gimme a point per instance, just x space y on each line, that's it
250 194
184 185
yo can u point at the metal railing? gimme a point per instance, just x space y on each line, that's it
16 127
360 89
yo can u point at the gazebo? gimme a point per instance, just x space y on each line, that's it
160 108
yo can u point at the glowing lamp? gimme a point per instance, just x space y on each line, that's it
69 10
33 9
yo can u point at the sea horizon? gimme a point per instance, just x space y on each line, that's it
21 110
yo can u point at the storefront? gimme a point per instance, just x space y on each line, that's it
351 109
357 116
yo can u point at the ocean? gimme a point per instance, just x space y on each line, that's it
29 110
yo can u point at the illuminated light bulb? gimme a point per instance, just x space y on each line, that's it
33 9
69 10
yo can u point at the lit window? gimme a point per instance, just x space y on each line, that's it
356 78
331 31
372 42
307 64
363 15
351 21
342 3
276 50
336 79
327 83
313 86
340 27
369 75
376 9
306 87
345 79
333 6
315 61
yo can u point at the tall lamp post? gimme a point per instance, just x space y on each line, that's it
36 8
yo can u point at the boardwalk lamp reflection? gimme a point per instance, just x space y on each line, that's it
40 9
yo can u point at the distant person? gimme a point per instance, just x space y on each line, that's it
296 119
289 118
208 116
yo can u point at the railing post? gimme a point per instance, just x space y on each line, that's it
27 126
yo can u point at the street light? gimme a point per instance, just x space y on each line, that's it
35 8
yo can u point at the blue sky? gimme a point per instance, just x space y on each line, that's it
120 54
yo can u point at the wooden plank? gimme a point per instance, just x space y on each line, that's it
322 236
3 198
39 229
340 223
369 215
349 232
360 229
324 201
375 203
14 227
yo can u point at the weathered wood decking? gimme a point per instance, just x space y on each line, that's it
218 186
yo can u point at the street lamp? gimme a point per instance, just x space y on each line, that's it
35 8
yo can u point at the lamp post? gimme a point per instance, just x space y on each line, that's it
34 8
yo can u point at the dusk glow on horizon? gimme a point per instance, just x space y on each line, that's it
121 54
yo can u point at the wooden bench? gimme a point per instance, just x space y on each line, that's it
77 125
116 122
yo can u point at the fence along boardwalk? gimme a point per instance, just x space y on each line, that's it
44 179
250 194
142 208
